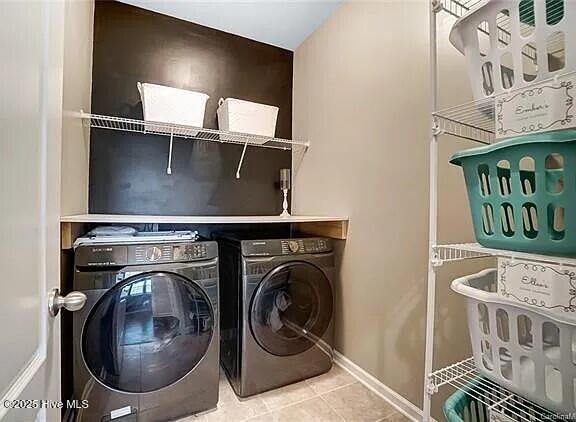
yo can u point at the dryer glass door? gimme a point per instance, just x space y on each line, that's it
291 308
147 332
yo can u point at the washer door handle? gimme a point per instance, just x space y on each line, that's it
73 301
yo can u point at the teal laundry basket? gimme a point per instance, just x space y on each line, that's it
554 11
464 407
522 192
460 407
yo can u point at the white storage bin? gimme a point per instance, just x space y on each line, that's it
247 117
172 105
529 41
526 350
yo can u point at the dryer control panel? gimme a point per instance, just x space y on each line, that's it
276 247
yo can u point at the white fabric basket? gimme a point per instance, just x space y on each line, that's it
247 117
530 41
172 105
528 351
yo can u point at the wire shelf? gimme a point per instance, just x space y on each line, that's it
459 8
465 377
187 132
476 120
473 120
457 252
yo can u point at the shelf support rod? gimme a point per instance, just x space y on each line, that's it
169 168
241 161
432 216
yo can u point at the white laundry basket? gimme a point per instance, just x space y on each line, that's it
529 41
247 117
172 105
526 350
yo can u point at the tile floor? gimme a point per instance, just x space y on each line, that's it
335 396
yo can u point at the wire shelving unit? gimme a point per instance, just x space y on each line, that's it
473 121
172 131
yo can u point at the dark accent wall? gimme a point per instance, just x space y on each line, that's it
128 170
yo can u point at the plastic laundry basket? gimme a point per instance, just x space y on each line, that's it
529 41
522 192
526 350
460 407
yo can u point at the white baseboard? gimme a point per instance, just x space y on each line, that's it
404 406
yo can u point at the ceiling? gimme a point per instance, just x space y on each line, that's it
283 23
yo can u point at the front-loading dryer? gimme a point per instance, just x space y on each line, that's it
277 301
146 343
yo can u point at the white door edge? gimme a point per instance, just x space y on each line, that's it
33 49
22 380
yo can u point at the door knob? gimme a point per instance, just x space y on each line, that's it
73 301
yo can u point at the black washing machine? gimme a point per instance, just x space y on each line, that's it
146 343
277 300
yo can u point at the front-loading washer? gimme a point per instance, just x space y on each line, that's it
146 343
277 301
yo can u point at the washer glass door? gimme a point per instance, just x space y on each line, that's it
291 308
147 332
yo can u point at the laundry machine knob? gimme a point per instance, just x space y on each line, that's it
293 245
153 253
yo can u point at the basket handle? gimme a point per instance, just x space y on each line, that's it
462 285
220 102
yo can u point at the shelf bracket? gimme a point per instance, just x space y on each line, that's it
435 259
241 161
169 168
437 6
431 387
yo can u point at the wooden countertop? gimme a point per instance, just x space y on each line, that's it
185 219
335 227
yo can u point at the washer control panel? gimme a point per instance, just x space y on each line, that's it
144 253
151 253
317 245
292 246
276 247
189 252
169 252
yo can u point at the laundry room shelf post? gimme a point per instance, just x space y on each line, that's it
433 214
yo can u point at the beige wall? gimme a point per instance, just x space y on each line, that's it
361 96
77 87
